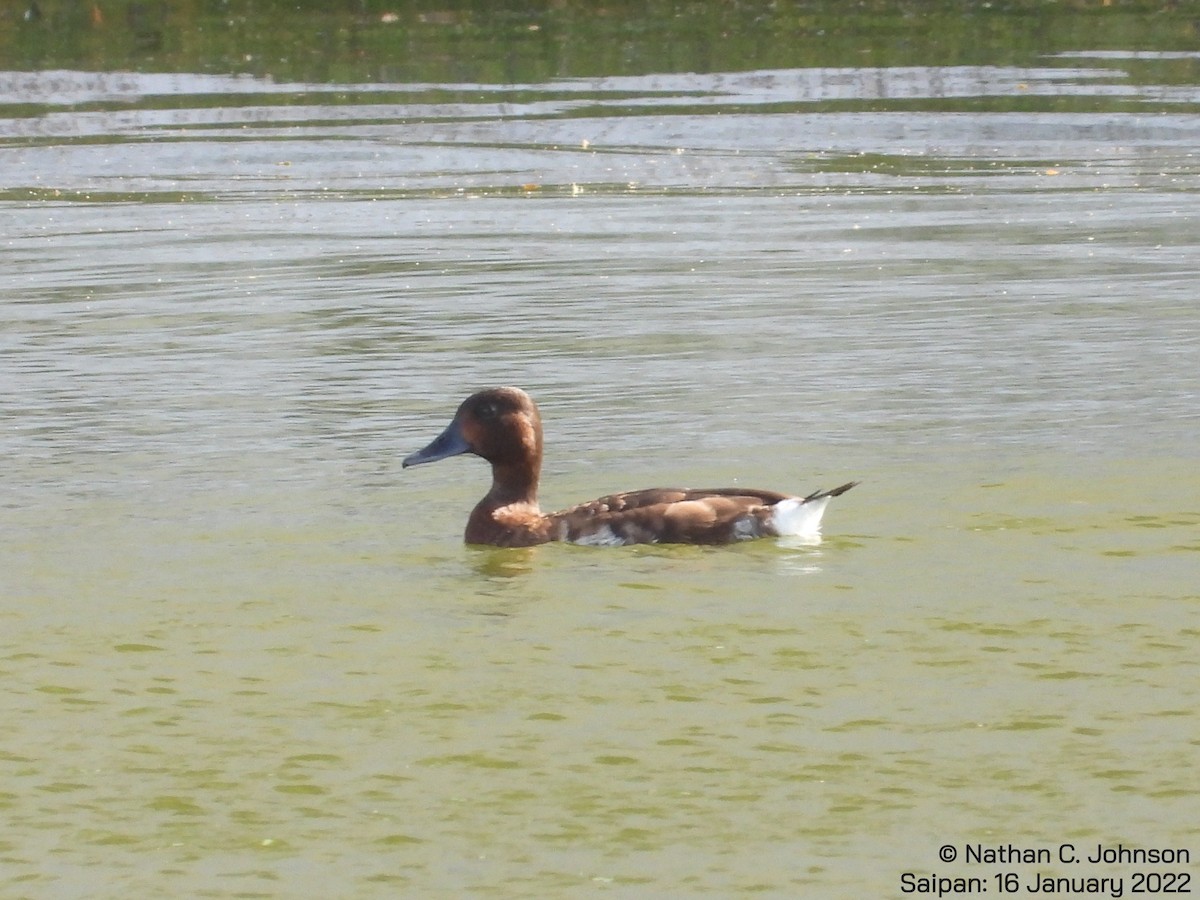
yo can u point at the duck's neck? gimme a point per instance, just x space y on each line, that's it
514 482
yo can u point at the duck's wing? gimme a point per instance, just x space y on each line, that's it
661 517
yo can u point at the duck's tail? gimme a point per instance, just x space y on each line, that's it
801 516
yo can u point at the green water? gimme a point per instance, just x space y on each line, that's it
245 654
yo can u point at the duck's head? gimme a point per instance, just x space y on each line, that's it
502 425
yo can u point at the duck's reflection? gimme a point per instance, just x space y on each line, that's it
502 562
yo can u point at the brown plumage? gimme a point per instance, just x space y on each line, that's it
503 426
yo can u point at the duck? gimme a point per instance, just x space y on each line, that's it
503 426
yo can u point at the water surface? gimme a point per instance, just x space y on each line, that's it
244 654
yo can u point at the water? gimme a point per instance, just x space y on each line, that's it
244 654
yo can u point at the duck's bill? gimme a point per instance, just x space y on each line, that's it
449 443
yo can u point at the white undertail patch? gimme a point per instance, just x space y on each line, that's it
796 517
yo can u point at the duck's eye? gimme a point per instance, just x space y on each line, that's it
488 410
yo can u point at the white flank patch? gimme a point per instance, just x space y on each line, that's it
795 518
747 528
603 536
